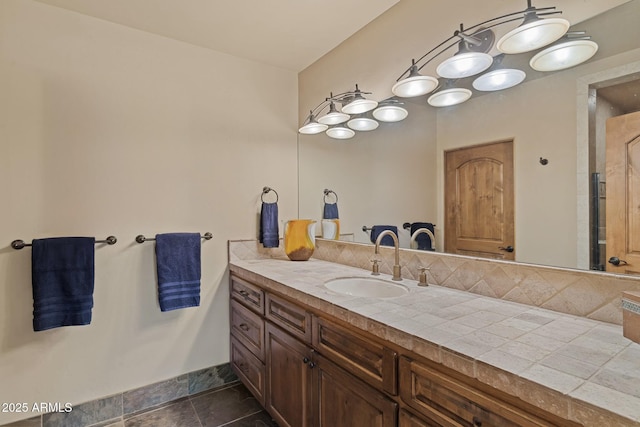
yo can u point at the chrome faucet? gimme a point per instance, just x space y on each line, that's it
428 233
396 268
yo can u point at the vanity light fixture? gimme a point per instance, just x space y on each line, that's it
358 104
362 123
535 31
312 126
414 85
449 97
567 53
333 117
340 132
390 111
499 79
356 112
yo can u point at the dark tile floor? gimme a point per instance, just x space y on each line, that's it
233 406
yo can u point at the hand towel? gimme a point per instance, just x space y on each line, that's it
62 278
330 211
269 232
178 264
386 240
423 240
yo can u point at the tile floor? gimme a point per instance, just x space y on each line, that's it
231 406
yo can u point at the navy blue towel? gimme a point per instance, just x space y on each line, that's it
62 278
423 239
386 240
269 232
178 264
330 211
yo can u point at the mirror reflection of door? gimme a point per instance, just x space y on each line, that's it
479 201
623 193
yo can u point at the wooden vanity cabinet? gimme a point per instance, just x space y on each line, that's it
444 399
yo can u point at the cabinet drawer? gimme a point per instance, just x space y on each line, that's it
441 397
248 328
407 419
372 362
250 295
249 369
290 317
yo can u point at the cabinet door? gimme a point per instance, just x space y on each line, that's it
289 373
342 400
407 419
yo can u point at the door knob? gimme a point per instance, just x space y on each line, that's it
617 261
507 249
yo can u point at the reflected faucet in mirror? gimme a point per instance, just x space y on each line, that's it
396 267
425 231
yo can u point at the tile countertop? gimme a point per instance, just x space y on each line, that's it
577 368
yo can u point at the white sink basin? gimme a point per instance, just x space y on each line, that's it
366 287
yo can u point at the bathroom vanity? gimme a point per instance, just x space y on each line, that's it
315 357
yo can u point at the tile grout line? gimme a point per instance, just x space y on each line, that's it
238 419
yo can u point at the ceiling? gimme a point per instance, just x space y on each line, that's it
289 34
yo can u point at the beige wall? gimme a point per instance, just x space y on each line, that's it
109 130
539 115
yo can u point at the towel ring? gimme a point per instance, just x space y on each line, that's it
327 192
265 190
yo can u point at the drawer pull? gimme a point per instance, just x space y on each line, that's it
244 327
244 293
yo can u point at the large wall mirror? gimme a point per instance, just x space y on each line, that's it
395 174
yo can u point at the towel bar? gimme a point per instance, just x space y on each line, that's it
365 228
19 244
265 190
141 239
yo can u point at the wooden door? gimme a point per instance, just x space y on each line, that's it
479 211
341 400
289 375
623 193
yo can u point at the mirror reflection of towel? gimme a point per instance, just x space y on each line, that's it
269 232
423 239
63 279
386 240
330 211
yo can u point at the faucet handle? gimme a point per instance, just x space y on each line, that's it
423 276
375 269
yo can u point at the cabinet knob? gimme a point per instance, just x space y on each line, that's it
312 365
305 360
477 422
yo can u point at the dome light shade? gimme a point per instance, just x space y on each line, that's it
532 35
449 97
362 124
414 85
340 132
312 128
502 78
333 117
359 105
390 113
464 65
564 55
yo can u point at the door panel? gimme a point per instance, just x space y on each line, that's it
479 201
623 193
